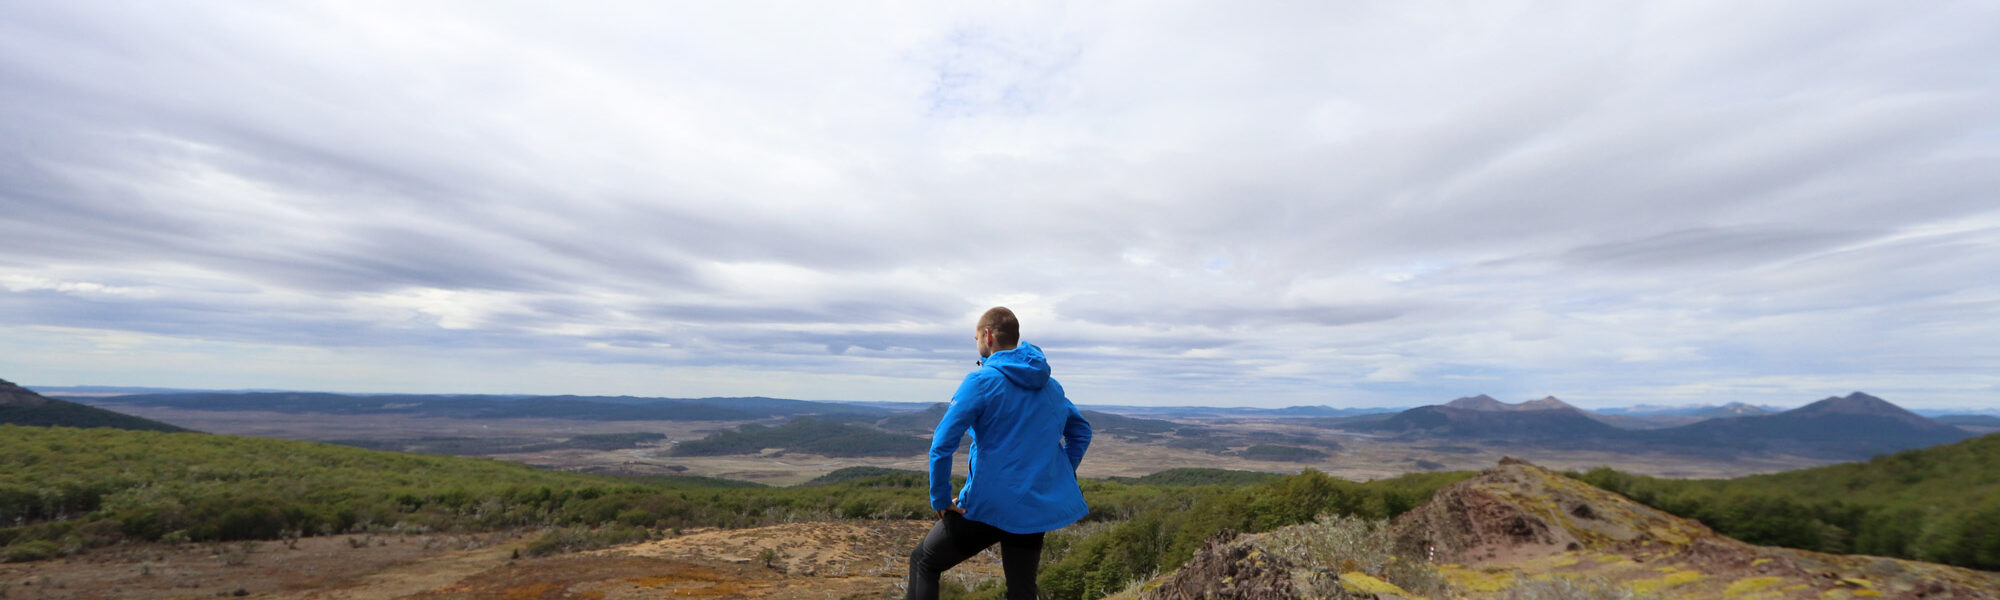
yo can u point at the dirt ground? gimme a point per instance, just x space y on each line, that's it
835 559
306 568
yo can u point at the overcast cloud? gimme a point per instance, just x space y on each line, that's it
1354 204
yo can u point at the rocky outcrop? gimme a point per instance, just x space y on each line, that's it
1229 566
1518 524
1519 511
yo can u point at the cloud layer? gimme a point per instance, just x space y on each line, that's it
1344 203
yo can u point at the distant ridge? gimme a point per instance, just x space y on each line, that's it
1479 402
1970 420
1844 427
22 406
1733 409
601 408
1853 426
1487 403
1547 421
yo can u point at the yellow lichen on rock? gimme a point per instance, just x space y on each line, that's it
1751 585
1483 582
1362 583
1648 586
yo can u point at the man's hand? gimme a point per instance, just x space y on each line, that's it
954 508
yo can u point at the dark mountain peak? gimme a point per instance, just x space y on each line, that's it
1486 403
1546 403
1479 402
1854 404
1851 427
14 395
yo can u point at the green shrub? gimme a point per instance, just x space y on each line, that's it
1277 453
578 539
29 551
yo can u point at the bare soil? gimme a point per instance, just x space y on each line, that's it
815 560
316 567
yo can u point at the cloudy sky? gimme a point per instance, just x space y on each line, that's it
1266 204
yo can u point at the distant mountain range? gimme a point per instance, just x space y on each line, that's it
1855 426
1971 420
1548 420
1706 411
22 406
1101 423
595 408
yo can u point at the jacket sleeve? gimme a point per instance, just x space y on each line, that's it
944 442
1076 437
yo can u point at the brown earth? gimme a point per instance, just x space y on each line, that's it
347 566
815 560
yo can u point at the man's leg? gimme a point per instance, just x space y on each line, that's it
952 540
1020 557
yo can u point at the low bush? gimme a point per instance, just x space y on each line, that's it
29 551
578 539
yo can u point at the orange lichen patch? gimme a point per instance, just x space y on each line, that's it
539 591
690 575
695 583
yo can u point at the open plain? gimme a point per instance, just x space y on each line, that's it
1354 456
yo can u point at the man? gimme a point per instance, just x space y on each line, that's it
1022 481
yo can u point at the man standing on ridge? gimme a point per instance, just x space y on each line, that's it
1022 481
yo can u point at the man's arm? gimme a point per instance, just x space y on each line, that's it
1076 437
944 442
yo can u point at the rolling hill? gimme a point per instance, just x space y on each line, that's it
1853 427
1546 422
22 406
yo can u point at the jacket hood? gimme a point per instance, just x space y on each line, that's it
1024 365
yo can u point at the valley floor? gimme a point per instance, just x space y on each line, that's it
1359 457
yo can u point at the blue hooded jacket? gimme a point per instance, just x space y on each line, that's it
1027 440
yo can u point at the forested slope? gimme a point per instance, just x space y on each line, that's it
1939 504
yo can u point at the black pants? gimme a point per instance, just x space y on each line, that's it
956 538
